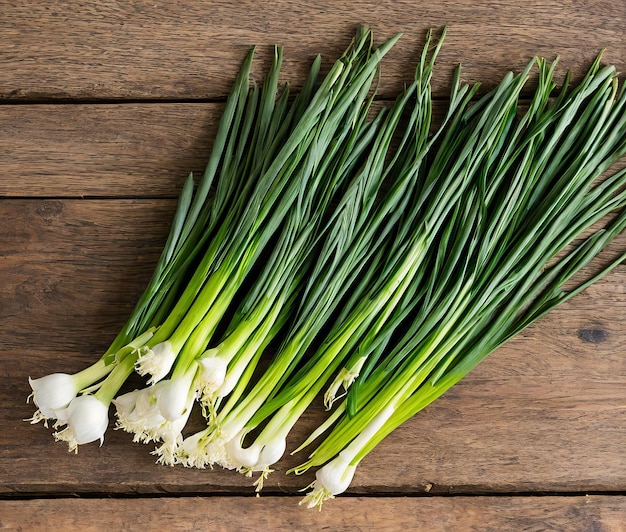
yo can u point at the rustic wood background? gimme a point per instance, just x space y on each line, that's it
104 109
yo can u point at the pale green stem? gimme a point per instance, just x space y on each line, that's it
92 374
196 342
112 384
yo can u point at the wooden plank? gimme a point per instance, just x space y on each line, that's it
110 151
114 150
52 249
192 49
349 514
103 150
544 413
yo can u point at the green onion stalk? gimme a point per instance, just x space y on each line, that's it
270 303
197 239
359 190
197 219
517 230
380 302
270 300
369 234
285 271
285 210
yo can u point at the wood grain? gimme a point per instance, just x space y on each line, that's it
545 413
192 49
112 151
104 109
457 514
106 151
103 150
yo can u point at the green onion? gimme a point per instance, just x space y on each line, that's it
381 258
373 297
492 272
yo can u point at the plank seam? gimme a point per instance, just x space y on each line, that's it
353 495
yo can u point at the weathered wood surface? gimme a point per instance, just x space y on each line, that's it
117 150
445 514
110 151
191 49
545 414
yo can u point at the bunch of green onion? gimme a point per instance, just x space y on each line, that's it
369 256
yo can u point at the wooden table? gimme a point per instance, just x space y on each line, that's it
105 107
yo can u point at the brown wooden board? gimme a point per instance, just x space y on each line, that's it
124 150
544 413
117 150
449 514
104 109
192 49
